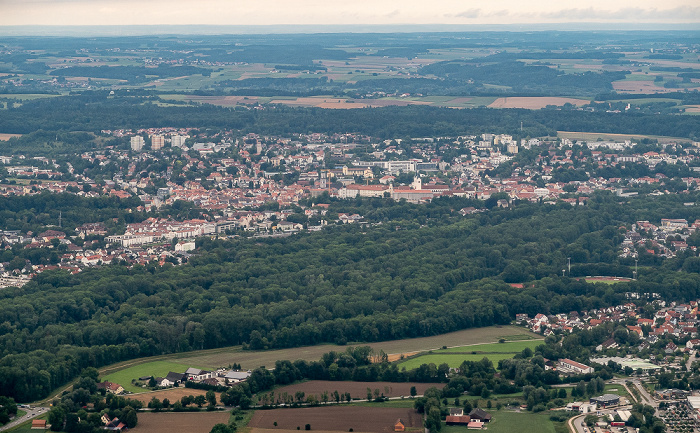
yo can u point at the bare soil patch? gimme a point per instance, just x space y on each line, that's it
224 101
334 419
172 394
534 102
356 389
5 137
198 422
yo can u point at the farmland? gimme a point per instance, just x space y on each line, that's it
172 394
200 422
453 360
454 356
335 418
356 389
509 347
507 422
253 359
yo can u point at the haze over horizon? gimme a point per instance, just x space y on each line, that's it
626 13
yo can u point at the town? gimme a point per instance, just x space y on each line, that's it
232 181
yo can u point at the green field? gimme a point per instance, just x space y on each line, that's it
154 368
453 360
454 356
508 347
509 422
617 390
251 359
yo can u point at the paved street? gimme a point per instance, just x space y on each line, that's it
31 413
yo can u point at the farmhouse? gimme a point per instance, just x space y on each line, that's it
114 388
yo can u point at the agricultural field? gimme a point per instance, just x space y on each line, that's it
507 347
593 136
453 360
335 419
535 102
154 368
454 356
356 389
197 422
254 359
507 422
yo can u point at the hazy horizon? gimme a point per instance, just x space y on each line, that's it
210 29
638 13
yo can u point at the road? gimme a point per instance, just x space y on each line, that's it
31 413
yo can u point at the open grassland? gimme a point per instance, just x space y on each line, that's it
593 136
198 422
154 368
509 422
335 419
613 388
253 359
453 360
508 347
356 389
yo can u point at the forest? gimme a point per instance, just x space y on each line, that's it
428 274
94 112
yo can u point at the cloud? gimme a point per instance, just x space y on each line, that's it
469 13
682 13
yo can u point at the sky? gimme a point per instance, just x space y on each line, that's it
343 12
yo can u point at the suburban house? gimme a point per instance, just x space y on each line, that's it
573 366
113 424
114 388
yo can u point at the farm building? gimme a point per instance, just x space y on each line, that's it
399 425
478 414
39 424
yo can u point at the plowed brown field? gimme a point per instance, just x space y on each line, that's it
334 419
356 389
172 422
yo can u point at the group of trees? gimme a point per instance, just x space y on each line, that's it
72 414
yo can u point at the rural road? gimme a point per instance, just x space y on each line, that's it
32 413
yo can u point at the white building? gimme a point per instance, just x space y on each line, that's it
137 143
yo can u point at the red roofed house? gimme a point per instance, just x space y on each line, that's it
114 388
